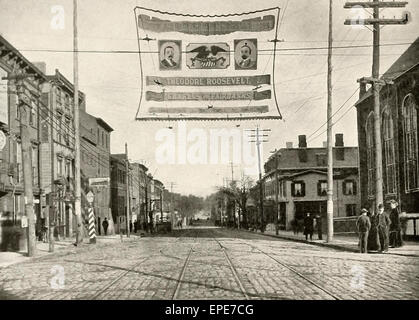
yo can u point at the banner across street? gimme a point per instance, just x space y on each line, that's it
207 67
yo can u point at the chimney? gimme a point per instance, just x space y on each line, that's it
362 89
289 145
302 143
42 66
324 144
339 140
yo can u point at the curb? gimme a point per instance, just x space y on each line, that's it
320 244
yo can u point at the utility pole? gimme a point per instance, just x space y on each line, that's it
258 136
376 83
329 130
77 176
26 146
127 188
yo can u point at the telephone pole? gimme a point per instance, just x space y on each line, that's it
376 83
26 145
329 130
77 176
127 189
258 135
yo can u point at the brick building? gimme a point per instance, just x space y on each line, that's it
138 185
118 190
299 177
399 134
11 175
57 150
95 139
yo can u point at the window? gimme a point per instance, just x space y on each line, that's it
351 210
34 159
103 139
19 173
106 136
389 169
370 154
349 187
98 136
321 159
322 188
410 122
298 189
60 166
59 129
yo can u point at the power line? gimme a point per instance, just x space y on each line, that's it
260 50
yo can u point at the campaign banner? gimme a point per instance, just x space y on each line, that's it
215 67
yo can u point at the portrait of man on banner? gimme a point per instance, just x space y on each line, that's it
245 54
170 54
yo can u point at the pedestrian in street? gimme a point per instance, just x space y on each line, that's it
319 226
130 226
363 225
308 226
135 227
383 224
396 240
105 225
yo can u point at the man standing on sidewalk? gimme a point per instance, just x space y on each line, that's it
363 225
383 222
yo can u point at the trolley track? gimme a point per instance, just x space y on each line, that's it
293 270
233 270
130 269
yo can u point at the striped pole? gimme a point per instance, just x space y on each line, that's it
92 230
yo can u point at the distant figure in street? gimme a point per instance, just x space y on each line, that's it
395 226
308 226
130 226
363 224
319 227
383 224
135 226
105 225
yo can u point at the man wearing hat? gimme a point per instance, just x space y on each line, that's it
363 225
395 227
383 223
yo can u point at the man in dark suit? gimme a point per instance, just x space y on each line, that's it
168 61
363 225
383 223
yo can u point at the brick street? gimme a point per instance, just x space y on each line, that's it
211 263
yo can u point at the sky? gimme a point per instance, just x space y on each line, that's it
111 81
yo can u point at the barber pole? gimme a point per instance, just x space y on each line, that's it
92 229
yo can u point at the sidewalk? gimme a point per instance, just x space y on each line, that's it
42 248
343 242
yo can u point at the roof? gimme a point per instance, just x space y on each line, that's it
16 52
58 76
104 125
408 60
120 157
405 62
289 158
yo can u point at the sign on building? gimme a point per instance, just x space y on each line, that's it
207 67
99 182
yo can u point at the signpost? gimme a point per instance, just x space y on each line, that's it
92 230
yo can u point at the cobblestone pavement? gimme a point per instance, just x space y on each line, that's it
211 263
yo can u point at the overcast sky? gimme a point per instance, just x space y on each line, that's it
111 81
